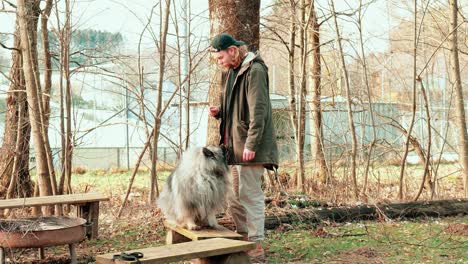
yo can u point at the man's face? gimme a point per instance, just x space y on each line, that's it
225 57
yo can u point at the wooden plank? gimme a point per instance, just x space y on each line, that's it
184 251
203 233
77 198
172 237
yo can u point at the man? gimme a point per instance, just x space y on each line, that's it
247 133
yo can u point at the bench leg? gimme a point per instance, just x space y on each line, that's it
72 253
94 216
172 237
90 212
41 253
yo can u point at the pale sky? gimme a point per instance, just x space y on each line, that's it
129 18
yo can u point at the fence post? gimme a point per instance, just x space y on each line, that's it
118 158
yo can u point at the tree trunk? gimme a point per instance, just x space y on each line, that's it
425 159
154 189
369 101
291 74
28 34
47 62
369 212
44 106
413 107
188 72
300 175
45 95
184 97
460 111
427 179
316 74
63 152
241 19
68 104
352 129
16 123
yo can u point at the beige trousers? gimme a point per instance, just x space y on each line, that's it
247 207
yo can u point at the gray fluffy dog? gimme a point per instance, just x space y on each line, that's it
197 189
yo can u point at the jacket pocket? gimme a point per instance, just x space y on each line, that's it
242 129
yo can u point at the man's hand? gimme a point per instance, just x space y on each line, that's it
248 155
213 110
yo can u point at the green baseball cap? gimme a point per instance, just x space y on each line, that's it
223 41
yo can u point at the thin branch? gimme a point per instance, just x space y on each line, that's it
8 48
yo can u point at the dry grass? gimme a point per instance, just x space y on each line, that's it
79 170
141 224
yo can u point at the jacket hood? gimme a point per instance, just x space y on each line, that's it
249 58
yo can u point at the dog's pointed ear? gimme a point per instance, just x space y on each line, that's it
208 153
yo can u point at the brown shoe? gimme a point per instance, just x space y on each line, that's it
257 255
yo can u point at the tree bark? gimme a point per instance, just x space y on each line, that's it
459 102
44 95
28 35
438 208
302 94
14 153
66 36
47 62
316 74
291 66
241 19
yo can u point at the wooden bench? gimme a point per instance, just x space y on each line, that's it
87 205
213 250
177 234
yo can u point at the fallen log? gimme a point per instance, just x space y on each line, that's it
437 208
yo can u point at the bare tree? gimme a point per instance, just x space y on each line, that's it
460 108
65 106
188 69
14 153
316 108
405 154
45 95
291 63
28 33
154 190
352 129
184 64
47 62
302 94
369 97
426 180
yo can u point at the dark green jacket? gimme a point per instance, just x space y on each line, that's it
246 115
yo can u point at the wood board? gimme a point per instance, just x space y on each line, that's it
183 251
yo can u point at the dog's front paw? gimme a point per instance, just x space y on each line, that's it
193 227
217 226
